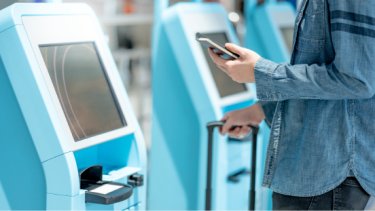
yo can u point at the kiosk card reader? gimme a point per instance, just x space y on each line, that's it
102 192
188 92
68 137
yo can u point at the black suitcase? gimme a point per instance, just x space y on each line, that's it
210 128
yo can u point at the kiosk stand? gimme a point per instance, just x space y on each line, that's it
189 91
69 138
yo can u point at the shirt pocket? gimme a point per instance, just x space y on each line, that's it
309 51
309 45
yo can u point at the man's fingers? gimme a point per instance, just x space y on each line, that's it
221 63
227 126
233 63
235 132
224 119
245 131
235 49
216 58
240 132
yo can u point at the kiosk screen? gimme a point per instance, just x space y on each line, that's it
224 83
82 87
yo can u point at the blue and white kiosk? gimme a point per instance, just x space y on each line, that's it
270 28
68 137
189 91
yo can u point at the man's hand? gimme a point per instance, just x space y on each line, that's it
240 70
240 119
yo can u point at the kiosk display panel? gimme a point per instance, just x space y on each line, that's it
83 90
225 85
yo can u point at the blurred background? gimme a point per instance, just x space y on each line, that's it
128 26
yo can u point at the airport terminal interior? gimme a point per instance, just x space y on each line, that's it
114 104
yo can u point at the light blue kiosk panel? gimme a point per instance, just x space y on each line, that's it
188 92
64 109
270 29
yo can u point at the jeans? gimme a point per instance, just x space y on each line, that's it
349 195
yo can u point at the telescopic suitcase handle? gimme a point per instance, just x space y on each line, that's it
210 128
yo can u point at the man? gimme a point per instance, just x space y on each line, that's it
321 107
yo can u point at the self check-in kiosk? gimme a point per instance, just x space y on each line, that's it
189 91
68 137
270 28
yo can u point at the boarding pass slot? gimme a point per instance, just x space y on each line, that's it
102 192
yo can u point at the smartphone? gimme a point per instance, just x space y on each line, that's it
216 48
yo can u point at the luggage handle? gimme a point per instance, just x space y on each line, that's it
210 128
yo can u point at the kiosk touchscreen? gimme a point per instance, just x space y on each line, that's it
69 138
188 92
83 89
270 28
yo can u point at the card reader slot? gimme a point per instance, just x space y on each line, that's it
122 193
102 192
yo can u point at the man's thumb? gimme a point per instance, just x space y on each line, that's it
235 49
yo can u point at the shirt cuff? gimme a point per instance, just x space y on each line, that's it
263 72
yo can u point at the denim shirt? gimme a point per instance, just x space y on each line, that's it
321 106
